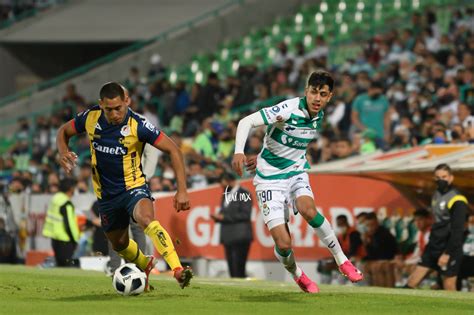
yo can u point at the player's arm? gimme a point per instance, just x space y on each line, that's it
67 158
165 144
245 125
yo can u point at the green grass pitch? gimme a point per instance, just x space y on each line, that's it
25 290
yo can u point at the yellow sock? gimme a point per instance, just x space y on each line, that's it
163 244
134 255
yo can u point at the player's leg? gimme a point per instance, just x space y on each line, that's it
115 221
284 253
417 276
307 208
126 247
138 235
143 214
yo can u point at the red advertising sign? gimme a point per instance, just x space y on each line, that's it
196 235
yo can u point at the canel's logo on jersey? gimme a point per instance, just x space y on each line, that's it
104 149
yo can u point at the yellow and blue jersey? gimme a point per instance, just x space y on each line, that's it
116 150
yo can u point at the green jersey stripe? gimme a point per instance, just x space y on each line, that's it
289 141
279 176
264 117
275 160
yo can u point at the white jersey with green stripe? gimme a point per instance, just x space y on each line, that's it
290 130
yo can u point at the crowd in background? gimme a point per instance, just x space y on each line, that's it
12 10
417 82
406 88
388 250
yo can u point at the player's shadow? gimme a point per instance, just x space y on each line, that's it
288 297
110 296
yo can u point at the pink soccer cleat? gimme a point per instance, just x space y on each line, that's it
351 272
306 284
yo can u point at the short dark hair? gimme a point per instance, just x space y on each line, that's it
111 90
343 218
67 184
371 216
422 212
444 167
321 78
361 215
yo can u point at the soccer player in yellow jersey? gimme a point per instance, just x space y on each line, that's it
117 137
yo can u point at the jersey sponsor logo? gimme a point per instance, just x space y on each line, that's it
105 149
125 131
295 143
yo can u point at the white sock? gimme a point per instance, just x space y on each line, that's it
289 263
328 237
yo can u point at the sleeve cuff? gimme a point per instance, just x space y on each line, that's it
158 139
73 125
264 117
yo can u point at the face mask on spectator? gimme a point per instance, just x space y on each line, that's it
416 120
442 185
362 228
340 230
438 140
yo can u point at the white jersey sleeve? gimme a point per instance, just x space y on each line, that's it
280 112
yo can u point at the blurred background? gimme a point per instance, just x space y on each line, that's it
196 67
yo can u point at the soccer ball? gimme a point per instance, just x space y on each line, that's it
129 280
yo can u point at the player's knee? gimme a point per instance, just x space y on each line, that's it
120 244
283 245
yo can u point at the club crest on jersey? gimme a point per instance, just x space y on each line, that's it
125 131
265 209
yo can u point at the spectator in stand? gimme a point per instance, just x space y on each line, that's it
351 244
381 248
72 98
405 266
370 110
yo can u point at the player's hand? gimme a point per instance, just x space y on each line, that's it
68 161
238 163
443 261
181 201
218 217
251 164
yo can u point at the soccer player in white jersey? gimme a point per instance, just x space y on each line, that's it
280 173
